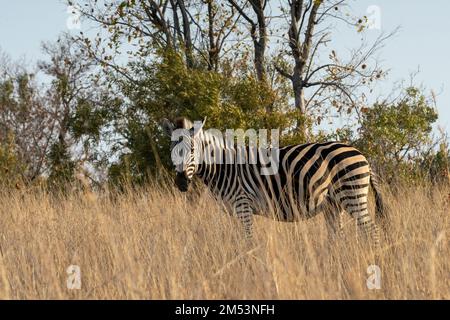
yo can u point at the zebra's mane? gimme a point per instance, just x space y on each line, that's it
183 123
205 137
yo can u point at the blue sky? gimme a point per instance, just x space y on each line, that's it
422 42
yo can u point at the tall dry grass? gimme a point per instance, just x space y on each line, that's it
158 244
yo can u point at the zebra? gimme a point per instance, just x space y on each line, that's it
311 177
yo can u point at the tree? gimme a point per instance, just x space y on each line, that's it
79 101
335 82
258 33
168 88
53 125
197 29
394 135
24 117
213 35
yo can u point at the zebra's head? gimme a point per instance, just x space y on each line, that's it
184 149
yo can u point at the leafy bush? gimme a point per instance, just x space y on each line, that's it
394 136
11 169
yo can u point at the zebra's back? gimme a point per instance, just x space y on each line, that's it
309 177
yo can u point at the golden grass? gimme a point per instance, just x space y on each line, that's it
156 244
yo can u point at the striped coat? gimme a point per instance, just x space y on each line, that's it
311 178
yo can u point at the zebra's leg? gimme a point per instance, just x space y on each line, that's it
358 210
333 219
334 224
244 212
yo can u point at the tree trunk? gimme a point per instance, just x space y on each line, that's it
158 161
300 52
187 34
213 53
258 33
300 104
259 62
259 41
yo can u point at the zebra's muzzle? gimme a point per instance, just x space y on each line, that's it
182 182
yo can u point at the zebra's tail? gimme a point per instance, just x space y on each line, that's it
381 215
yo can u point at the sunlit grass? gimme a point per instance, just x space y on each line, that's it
160 244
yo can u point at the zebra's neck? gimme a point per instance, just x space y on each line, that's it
213 155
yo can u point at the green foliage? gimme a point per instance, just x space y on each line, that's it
435 165
344 134
167 88
61 166
87 120
11 168
6 92
392 135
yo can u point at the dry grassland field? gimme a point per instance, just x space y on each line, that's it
161 244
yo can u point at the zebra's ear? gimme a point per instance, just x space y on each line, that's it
167 126
197 130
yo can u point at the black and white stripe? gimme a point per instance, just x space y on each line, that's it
312 178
